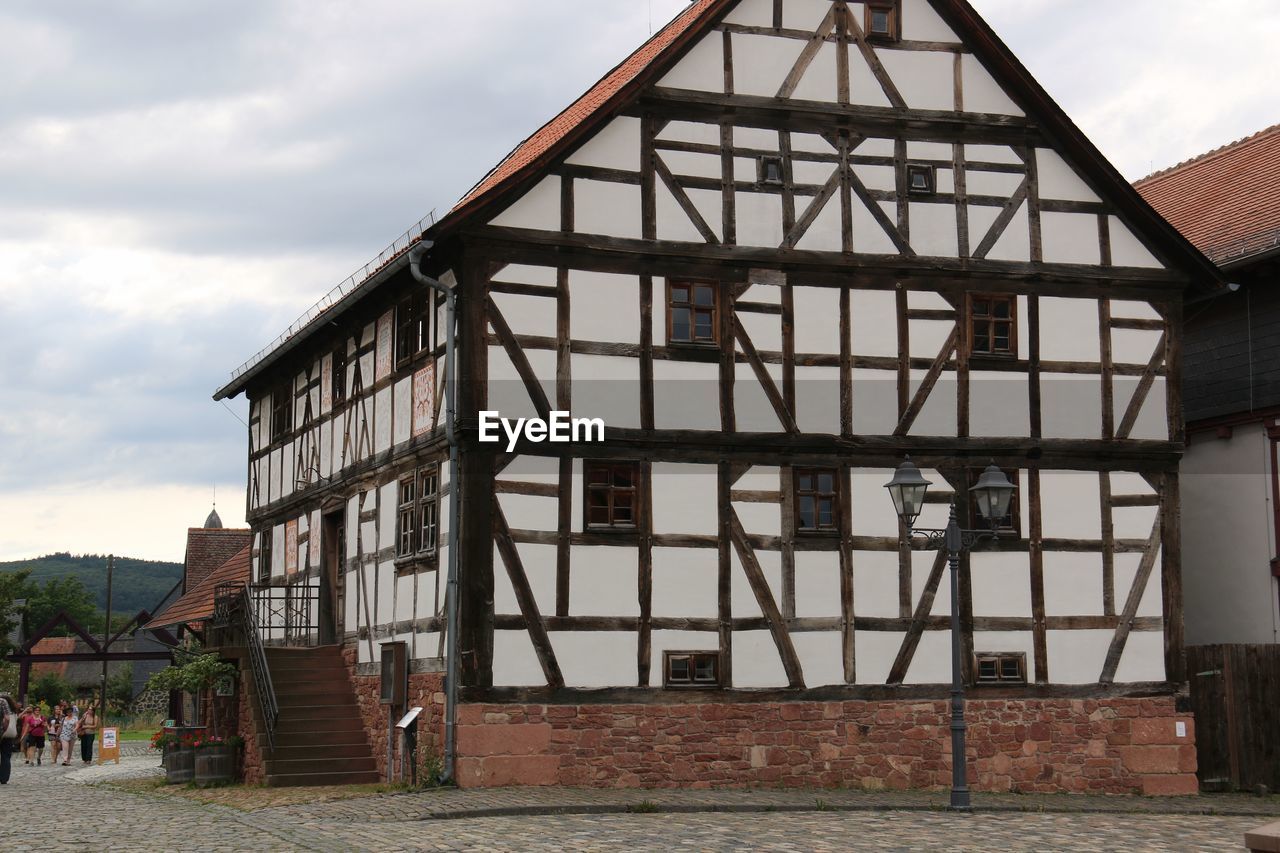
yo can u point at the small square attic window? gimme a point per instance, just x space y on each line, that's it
770 170
883 22
921 180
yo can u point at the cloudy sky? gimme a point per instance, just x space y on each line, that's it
179 179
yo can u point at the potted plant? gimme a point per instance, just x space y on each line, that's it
215 759
199 675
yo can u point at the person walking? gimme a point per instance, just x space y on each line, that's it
54 729
8 734
88 732
67 734
32 736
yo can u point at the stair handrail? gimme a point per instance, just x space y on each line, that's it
262 683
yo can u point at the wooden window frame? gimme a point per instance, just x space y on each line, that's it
976 521
413 326
835 494
894 9
1001 661
264 554
931 179
693 682
283 400
338 375
991 319
637 472
415 502
692 284
762 170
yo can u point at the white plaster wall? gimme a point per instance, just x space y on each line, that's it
1228 540
1069 329
818 399
1073 584
530 512
1070 505
615 146
924 79
982 94
527 315
515 662
1059 181
875 583
821 656
685 582
933 229
607 387
817 583
875 652
1001 584
1127 250
382 421
921 23
686 395
756 662
538 209
1070 238
685 498
606 208
594 658
1076 657
932 661
761 64
402 406
759 218
603 581
999 184
999 404
752 13
1143 658
1071 406
701 69
824 234
871 332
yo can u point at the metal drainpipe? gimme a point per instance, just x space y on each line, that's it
455 509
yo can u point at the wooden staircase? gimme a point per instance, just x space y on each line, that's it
320 736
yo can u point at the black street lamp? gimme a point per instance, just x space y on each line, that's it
992 493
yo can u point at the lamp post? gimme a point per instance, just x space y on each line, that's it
992 493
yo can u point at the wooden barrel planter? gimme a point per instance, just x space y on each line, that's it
180 765
215 765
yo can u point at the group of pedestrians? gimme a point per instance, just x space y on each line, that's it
28 730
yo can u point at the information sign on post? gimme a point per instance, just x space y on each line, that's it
109 750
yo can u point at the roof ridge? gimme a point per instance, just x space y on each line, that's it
1208 155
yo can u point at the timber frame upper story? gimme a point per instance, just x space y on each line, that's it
784 244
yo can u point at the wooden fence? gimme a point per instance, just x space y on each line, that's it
1235 694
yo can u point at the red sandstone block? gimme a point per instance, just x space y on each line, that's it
1181 785
1150 759
503 770
1188 761
1159 730
530 739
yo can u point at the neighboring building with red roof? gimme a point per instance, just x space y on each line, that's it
778 248
1227 202
195 606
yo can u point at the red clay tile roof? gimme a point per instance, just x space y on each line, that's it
208 548
196 604
597 98
1226 202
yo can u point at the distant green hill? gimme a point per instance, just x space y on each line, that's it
136 584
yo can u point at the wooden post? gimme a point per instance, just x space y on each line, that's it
106 644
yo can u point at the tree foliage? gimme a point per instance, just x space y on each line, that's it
14 586
49 688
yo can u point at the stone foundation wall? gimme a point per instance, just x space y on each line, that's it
252 767
1112 746
426 690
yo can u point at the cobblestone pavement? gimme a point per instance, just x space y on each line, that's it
106 817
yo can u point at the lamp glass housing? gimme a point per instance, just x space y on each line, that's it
993 494
907 489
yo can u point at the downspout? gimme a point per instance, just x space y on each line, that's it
455 511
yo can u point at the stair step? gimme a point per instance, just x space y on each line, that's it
309 751
300 780
289 767
312 740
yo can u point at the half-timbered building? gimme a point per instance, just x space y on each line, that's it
783 245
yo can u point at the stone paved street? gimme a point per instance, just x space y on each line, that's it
107 817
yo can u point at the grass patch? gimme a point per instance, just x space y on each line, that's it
643 807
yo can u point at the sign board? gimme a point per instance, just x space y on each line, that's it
409 719
109 750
